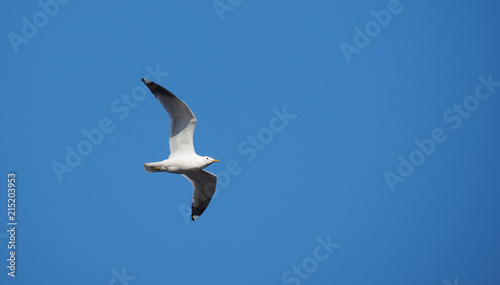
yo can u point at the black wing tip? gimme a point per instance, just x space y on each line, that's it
146 81
196 213
157 89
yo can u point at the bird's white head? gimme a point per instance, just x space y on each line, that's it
207 160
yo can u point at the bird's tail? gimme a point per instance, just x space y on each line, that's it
152 167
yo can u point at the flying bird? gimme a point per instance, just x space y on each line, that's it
183 159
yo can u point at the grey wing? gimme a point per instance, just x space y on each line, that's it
182 120
204 184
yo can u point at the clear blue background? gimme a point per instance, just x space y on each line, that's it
322 176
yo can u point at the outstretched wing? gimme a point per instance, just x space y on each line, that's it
204 184
182 120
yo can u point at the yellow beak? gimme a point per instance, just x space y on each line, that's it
216 160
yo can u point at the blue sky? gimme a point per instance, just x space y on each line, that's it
358 141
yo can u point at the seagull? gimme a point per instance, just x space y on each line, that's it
183 159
